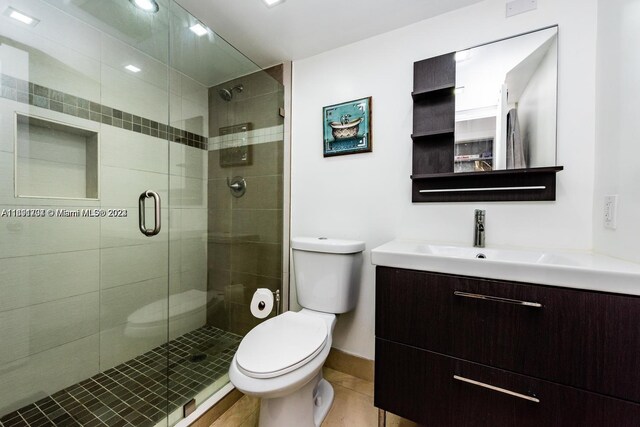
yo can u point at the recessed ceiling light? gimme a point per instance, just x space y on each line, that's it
271 3
146 5
21 17
199 29
133 68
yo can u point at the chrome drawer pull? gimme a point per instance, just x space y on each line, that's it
497 299
498 389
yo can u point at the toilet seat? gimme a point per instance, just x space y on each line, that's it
281 345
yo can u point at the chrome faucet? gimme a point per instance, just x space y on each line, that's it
478 235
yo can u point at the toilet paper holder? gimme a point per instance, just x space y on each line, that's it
276 294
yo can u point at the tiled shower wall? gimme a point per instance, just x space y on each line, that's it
245 234
70 285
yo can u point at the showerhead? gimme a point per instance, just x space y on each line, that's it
227 94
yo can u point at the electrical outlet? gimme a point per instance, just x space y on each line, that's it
610 210
517 7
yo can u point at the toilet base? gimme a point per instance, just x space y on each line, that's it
306 407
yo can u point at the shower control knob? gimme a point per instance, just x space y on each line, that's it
237 186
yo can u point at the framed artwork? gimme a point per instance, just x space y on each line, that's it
347 127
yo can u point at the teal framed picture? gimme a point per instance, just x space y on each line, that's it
347 128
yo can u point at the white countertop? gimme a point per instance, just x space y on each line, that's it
580 270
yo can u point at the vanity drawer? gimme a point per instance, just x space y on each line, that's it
440 391
584 339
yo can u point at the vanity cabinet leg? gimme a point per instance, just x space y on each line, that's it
382 418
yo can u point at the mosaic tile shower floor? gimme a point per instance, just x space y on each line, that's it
134 393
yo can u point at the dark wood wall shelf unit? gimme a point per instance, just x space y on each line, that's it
433 179
568 358
434 104
515 185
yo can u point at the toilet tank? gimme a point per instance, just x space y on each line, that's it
327 273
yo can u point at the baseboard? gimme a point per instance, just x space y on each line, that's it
218 409
349 364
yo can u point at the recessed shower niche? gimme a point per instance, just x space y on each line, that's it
55 160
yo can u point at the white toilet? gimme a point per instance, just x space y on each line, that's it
281 359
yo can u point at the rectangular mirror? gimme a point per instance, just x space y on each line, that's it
506 102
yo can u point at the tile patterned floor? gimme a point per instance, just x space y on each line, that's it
352 407
134 394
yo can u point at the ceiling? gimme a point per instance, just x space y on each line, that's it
246 34
163 36
298 29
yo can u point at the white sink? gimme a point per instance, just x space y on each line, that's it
581 270
482 253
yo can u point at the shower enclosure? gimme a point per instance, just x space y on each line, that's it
128 256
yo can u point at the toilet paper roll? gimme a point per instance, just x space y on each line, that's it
262 303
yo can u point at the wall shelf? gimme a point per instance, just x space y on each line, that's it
433 114
534 184
55 160
444 89
425 135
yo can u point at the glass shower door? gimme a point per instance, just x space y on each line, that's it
134 251
103 105
83 293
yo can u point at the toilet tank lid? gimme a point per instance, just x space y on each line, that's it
327 245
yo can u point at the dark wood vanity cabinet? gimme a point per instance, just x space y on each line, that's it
461 351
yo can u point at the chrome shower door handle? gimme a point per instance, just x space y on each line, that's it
141 213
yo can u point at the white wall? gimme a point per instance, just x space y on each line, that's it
618 127
367 196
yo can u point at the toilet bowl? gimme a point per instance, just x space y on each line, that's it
260 369
282 372
281 359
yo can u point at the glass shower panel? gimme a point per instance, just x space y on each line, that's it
100 102
222 248
245 244
83 293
